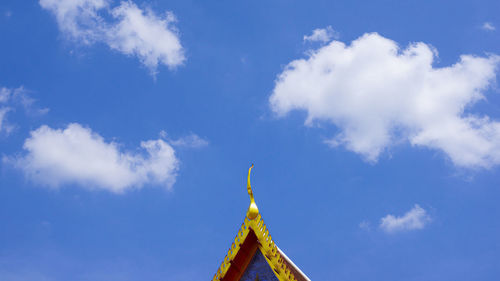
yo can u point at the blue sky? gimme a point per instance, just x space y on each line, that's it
127 128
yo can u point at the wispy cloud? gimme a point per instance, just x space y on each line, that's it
365 225
321 35
488 26
4 127
416 218
379 96
190 141
10 100
77 155
125 28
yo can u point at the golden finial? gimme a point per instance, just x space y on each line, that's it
253 211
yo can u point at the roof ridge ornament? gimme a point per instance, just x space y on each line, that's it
253 211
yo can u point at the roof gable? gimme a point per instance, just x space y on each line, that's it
253 237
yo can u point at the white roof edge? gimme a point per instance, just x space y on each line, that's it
292 264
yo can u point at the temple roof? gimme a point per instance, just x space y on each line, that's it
253 237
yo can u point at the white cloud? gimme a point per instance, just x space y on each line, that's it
125 28
143 34
10 99
414 219
76 155
78 19
488 26
379 95
321 34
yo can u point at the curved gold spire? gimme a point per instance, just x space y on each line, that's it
253 211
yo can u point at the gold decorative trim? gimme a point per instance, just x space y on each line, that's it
266 246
